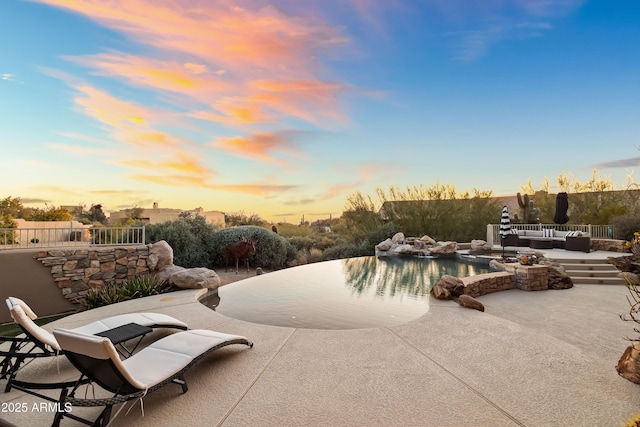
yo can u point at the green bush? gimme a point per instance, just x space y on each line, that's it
135 287
348 250
189 238
625 226
382 233
273 251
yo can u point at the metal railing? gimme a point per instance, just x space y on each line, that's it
24 238
595 231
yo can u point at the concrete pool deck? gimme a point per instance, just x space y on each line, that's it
531 359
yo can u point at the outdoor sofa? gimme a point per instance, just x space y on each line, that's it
550 238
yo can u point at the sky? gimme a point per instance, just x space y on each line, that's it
284 108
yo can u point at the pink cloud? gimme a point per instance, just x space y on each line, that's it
220 51
260 146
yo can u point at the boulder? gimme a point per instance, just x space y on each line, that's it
428 240
195 278
628 366
440 292
558 278
384 245
406 250
454 285
398 238
479 245
444 248
470 302
166 272
160 255
495 265
629 277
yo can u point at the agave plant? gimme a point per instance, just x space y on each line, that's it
135 287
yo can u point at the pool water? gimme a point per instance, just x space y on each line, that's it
349 293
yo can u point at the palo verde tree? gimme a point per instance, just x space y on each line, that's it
439 211
596 200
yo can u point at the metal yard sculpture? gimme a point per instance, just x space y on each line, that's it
239 250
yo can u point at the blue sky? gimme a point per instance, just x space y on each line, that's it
284 108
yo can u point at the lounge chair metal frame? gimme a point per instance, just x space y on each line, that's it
109 375
23 350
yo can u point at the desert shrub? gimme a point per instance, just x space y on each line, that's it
273 251
135 287
382 233
625 225
301 243
319 241
307 256
314 255
347 250
293 230
188 236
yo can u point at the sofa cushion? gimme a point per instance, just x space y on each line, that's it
547 232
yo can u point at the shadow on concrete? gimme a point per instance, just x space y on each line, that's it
26 278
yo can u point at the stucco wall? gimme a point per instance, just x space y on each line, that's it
26 278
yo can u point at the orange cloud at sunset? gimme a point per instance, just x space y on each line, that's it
219 51
258 146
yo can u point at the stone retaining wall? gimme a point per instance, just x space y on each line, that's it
611 245
75 271
482 284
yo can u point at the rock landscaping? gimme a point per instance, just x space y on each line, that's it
422 246
75 271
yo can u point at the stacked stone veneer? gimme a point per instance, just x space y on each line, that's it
487 283
77 270
530 277
611 245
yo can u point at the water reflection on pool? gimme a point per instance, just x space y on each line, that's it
342 294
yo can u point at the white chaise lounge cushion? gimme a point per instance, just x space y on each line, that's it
22 314
154 363
144 319
20 317
13 302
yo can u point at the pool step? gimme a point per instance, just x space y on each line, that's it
591 272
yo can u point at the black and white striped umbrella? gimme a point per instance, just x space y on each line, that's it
505 223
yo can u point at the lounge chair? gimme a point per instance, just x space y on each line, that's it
38 342
161 363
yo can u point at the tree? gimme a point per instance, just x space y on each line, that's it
95 214
50 213
234 219
11 206
437 210
7 236
134 212
594 201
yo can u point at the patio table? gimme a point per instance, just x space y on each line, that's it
123 333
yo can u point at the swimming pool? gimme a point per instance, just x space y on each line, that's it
349 293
